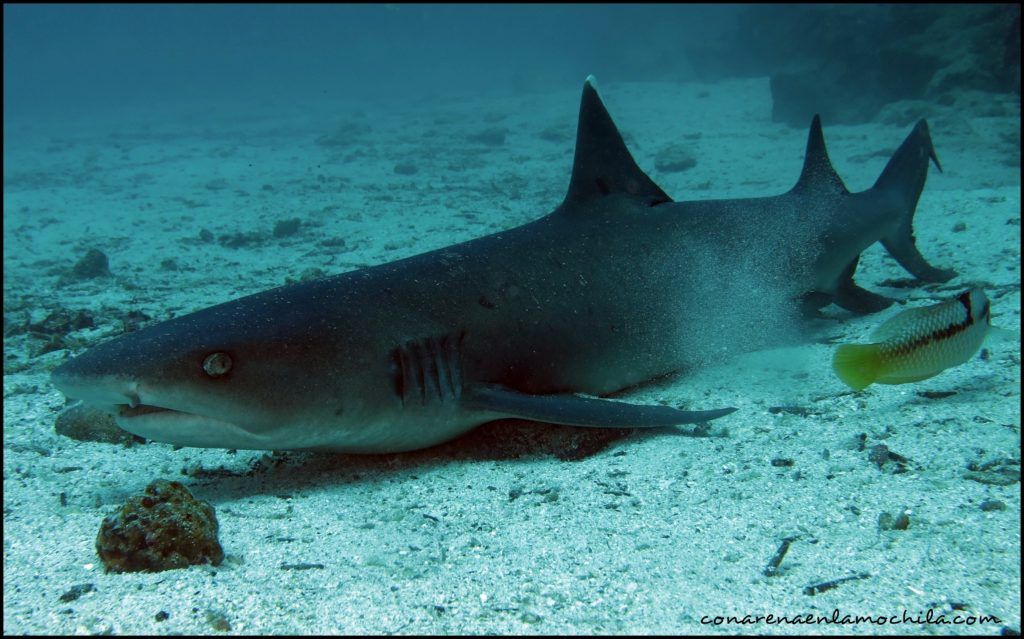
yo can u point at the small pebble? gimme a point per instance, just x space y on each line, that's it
990 505
76 591
90 424
93 265
218 621
674 159
405 168
887 522
284 228
491 137
878 455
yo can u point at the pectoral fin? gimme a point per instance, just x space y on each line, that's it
573 410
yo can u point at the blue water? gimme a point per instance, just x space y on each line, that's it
66 59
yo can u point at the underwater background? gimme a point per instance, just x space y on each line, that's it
160 159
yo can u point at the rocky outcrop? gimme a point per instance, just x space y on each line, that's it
847 62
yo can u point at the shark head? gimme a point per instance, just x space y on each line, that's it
225 376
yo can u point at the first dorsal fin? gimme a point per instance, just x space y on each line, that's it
603 164
818 173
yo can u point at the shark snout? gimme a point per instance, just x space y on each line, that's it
99 389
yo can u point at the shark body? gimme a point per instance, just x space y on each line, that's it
600 295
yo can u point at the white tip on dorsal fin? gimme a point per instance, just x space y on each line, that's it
818 173
602 164
592 81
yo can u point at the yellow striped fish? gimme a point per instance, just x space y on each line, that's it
918 343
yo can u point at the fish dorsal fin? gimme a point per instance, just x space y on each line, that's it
603 164
818 173
947 317
901 324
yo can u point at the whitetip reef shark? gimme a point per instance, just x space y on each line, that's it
611 289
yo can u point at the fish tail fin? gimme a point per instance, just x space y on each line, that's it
858 365
901 182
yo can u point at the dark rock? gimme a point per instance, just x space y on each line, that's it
284 228
52 343
218 621
134 320
900 522
878 455
87 424
936 394
333 242
674 159
494 136
1000 472
165 528
77 591
309 274
240 240
61 322
302 566
990 505
405 168
887 460
847 62
93 265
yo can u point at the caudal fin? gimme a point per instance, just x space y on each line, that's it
858 365
901 183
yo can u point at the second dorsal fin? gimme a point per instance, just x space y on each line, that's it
603 165
818 173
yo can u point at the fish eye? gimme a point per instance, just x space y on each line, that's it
217 364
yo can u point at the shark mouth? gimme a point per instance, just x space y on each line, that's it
184 428
125 411
157 422
140 413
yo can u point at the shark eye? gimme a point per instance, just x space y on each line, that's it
217 364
